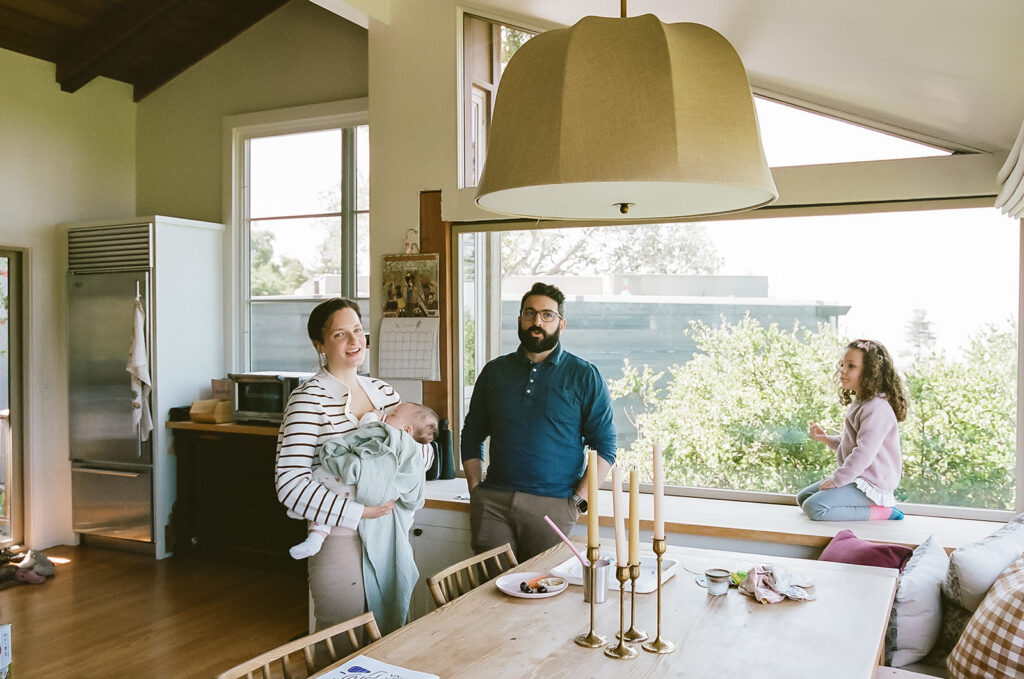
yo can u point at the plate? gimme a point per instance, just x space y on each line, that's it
509 584
572 570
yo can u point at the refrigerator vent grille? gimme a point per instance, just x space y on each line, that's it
107 248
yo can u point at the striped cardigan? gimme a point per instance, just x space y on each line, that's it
318 412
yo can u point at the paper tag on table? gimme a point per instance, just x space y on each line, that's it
5 651
365 667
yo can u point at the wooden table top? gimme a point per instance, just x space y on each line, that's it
487 633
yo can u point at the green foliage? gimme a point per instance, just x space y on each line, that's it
269 277
469 353
736 415
959 440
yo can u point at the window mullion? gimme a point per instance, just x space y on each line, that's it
348 213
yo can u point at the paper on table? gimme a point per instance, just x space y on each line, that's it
362 666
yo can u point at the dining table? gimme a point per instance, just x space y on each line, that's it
490 634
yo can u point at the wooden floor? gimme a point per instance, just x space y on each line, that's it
115 614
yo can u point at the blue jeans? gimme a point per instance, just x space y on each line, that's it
845 503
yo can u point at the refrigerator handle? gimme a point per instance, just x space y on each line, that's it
105 472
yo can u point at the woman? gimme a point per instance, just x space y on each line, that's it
327 406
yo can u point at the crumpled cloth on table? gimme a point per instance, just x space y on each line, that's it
770 583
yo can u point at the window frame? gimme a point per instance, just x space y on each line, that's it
490 229
238 130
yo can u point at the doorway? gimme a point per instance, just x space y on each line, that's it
11 411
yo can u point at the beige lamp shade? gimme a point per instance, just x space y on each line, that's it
632 111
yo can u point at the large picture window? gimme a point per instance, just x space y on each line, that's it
720 339
304 213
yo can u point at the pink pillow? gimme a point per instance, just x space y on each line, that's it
846 547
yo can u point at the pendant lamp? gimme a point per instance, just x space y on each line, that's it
625 119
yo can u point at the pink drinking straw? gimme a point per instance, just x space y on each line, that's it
566 541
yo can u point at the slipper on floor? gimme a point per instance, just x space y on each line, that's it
30 576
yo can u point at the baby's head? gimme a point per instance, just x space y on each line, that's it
418 421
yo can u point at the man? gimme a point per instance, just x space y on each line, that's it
540 406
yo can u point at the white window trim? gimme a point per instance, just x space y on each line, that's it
237 130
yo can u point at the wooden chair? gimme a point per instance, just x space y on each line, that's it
276 661
457 579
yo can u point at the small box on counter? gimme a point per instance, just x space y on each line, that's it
210 411
221 389
5 651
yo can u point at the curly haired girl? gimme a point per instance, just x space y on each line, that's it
868 458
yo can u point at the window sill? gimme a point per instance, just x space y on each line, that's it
759 522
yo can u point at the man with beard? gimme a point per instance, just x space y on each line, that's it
540 406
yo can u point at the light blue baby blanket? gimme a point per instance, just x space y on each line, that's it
383 463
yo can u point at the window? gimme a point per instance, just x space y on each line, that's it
720 338
303 205
487 48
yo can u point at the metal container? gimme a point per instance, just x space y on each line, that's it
598 574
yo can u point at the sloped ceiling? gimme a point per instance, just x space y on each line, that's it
141 42
950 70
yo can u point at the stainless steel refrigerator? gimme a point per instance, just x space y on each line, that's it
111 460
123 485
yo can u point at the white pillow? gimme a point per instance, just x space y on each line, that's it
916 617
974 567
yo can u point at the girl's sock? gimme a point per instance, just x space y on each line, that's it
880 513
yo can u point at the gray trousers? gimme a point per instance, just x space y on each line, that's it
845 503
500 516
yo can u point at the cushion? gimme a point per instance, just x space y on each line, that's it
974 567
846 547
916 616
993 643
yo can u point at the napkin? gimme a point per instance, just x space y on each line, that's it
771 583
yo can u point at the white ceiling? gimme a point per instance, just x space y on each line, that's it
952 70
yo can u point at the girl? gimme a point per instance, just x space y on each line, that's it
868 449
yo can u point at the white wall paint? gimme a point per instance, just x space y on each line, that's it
301 54
65 157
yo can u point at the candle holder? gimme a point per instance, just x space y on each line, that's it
591 639
634 634
623 651
659 645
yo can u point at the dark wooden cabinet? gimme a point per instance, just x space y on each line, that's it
227 507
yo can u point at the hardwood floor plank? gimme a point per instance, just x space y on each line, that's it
116 614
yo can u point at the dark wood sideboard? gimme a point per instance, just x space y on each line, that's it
226 507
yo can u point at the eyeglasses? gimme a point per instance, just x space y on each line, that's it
547 315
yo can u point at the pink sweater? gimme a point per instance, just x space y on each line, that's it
869 446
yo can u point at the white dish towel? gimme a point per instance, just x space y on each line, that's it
138 366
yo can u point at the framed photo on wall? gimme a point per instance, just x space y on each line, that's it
410 286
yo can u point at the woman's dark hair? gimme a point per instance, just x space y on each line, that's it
877 376
322 312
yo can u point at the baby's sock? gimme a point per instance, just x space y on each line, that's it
880 513
308 547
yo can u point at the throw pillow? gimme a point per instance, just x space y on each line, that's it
916 616
974 567
991 645
846 547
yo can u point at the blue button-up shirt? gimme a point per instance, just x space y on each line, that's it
539 417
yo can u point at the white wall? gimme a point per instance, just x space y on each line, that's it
301 54
63 157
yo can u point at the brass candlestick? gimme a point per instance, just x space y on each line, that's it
591 639
634 634
659 645
623 651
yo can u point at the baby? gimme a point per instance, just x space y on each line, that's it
412 419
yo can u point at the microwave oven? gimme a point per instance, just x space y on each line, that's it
261 397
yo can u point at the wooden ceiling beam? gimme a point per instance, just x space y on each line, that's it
87 60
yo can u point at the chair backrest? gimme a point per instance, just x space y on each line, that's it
459 578
275 662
